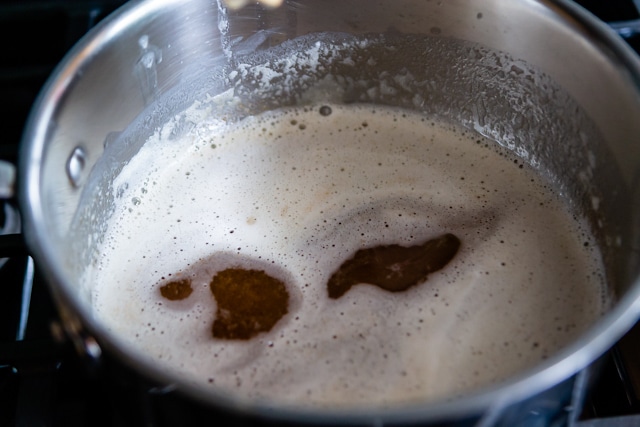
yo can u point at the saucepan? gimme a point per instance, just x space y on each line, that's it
542 78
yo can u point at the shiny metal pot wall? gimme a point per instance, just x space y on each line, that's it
540 77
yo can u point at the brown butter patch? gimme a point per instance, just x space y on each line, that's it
249 302
176 290
393 268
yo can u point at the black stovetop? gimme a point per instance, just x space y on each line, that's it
44 382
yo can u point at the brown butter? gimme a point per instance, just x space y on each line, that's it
249 302
393 268
176 290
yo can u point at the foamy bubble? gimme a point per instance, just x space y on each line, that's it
295 193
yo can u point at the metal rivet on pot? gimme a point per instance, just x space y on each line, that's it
75 165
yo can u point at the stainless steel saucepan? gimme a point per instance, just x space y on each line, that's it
541 77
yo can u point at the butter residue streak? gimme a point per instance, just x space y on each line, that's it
296 192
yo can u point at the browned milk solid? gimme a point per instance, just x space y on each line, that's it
296 193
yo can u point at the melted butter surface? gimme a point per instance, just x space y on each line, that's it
299 201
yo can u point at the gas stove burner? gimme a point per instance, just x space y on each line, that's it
9 222
9 219
9 216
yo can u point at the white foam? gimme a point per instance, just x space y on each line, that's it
297 193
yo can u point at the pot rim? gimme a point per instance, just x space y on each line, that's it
492 399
